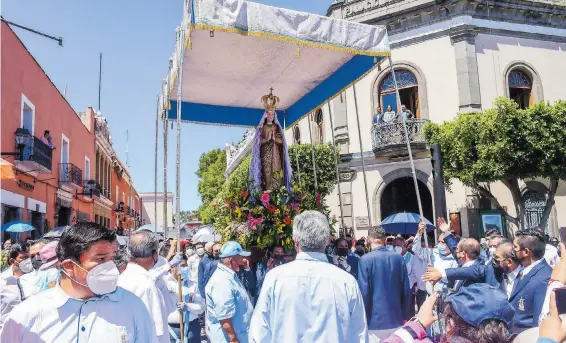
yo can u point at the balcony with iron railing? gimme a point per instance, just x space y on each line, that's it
388 139
36 157
70 175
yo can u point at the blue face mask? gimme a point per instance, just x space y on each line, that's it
442 249
46 279
389 247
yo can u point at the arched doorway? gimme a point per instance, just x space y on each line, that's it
400 196
408 92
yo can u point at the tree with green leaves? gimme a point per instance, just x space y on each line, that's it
210 174
505 144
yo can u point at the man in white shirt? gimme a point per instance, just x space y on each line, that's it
86 306
143 248
29 280
10 287
551 255
309 299
192 306
194 260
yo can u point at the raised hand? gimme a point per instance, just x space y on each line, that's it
432 275
442 225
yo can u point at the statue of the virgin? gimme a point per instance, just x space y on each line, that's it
270 167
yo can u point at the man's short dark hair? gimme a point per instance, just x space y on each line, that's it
532 240
17 249
377 232
77 239
46 132
492 233
470 247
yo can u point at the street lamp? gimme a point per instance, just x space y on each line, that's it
23 138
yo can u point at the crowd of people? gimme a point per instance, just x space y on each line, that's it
390 115
85 287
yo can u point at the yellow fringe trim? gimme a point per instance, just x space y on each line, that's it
318 45
325 46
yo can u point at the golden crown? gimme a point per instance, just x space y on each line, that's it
270 101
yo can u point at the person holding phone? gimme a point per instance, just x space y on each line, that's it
343 260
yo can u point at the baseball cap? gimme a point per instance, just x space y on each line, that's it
48 255
233 248
479 302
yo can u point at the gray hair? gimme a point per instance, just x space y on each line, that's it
143 244
121 258
311 231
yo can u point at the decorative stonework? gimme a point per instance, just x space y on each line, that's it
401 15
347 175
236 153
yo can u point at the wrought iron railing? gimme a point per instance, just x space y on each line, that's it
38 152
71 173
390 134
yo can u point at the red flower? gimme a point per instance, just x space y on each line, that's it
271 208
287 220
317 199
244 194
265 198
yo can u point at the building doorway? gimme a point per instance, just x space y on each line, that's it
64 216
400 196
520 87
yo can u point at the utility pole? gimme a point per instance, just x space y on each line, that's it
58 39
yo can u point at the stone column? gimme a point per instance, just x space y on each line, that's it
341 123
346 178
463 39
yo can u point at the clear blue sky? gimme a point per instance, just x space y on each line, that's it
136 38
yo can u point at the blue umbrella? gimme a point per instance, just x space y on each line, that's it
17 227
405 223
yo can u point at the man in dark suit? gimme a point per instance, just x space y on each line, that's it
467 254
384 284
529 290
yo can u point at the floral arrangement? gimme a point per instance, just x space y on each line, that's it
266 218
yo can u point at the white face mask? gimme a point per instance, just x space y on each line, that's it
200 251
101 279
26 266
190 252
398 250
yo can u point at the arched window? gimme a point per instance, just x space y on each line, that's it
319 121
297 134
520 88
408 92
534 208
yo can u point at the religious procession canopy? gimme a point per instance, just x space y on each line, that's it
236 51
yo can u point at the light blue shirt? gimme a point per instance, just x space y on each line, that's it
227 298
309 300
53 316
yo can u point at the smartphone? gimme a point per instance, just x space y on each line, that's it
560 294
562 232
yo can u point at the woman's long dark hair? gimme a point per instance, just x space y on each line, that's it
489 331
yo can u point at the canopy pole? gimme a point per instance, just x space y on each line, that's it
362 155
336 166
165 138
155 181
178 178
406 131
312 156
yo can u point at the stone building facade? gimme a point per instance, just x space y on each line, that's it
450 57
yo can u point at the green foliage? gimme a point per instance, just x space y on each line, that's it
211 174
301 163
503 142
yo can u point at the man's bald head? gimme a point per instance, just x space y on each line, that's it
208 247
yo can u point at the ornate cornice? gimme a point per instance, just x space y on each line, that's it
403 15
466 33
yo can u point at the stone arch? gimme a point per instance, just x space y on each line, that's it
421 84
527 68
392 176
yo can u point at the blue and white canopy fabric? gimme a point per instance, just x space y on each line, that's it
235 51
